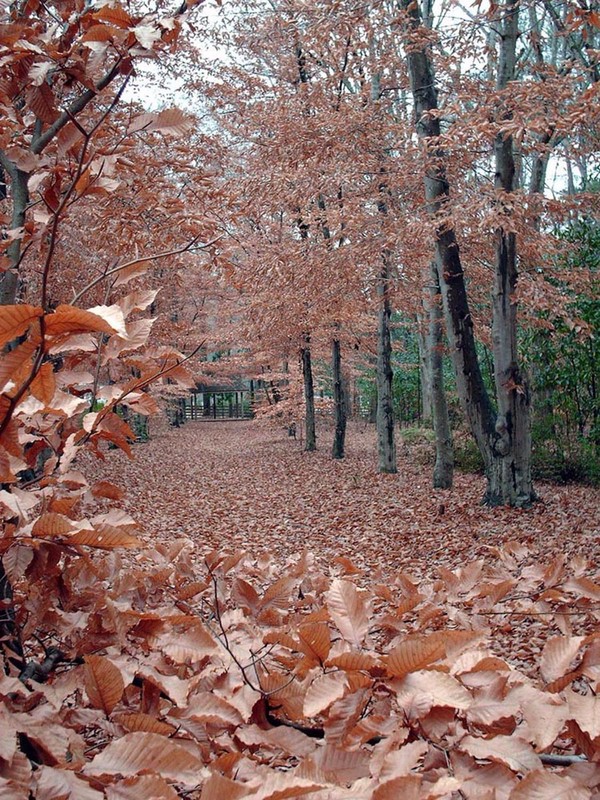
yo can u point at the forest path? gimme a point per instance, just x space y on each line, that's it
239 485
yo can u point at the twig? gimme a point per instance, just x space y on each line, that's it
561 761
225 640
39 671
165 254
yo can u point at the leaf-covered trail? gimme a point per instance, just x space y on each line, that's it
238 485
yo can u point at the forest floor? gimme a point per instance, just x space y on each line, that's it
231 485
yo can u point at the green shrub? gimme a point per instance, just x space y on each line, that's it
467 457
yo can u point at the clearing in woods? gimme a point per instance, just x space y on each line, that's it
231 486
240 485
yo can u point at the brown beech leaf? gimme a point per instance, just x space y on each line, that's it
105 537
191 590
145 786
146 752
191 645
171 121
407 788
287 740
138 332
585 587
558 655
434 689
414 654
108 490
14 320
542 785
245 595
103 683
52 783
8 741
12 363
8 791
115 15
351 662
172 686
6 474
99 33
401 762
209 707
218 787
315 640
585 711
42 102
43 385
340 765
349 611
132 271
68 319
137 301
16 560
279 786
323 691
116 430
544 716
63 505
51 524
144 723
516 753
278 594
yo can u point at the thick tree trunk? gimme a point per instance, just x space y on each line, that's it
490 438
443 471
512 390
385 407
309 395
339 401
386 443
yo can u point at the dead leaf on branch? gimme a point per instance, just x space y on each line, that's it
69 319
105 537
349 610
14 320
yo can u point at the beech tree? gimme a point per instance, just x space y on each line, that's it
502 433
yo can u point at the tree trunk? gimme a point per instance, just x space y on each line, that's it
339 401
9 281
513 447
385 406
386 443
424 369
443 471
309 395
473 396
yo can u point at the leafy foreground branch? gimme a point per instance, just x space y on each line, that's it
225 679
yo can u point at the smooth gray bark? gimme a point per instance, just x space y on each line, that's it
513 446
424 367
386 442
443 470
487 428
